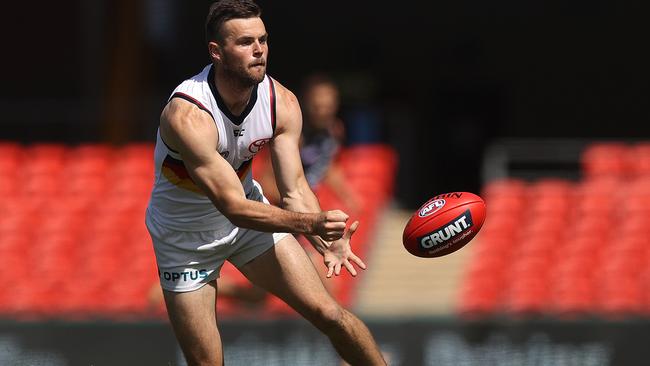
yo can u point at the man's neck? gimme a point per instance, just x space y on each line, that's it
234 95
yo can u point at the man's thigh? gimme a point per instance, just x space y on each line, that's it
286 271
193 317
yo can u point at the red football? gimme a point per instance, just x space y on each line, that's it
444 224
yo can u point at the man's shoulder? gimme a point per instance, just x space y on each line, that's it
285 98
287 110
181 119
180 111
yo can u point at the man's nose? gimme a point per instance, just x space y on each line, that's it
257 49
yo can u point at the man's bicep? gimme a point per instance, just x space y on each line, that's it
195 138
211 172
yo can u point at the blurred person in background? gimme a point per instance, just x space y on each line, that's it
322 137
205 208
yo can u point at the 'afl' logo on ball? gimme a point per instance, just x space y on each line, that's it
431 207
257 145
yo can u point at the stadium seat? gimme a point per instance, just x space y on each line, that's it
480 297
505 187
605 159
45 151
572 297
638 158
527 297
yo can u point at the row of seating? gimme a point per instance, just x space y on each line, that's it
85 170
616 159
552 247
72 237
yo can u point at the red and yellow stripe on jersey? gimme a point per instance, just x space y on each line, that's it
176 173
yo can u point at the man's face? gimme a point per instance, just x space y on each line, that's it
321 104
244 49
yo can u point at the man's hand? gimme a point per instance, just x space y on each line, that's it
340 254
330 225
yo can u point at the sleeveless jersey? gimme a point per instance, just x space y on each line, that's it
176 201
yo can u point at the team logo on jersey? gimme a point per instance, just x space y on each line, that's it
432 207
239 133
257 145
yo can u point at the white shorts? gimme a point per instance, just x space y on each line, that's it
187 261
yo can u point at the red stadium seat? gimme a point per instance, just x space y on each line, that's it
528 297
638 159
10 148
45 151
42 166
550 187
573 297
40 185
505 186
605 159
622 297
91 151
480 297
136 150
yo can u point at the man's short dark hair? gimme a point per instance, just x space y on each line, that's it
224 10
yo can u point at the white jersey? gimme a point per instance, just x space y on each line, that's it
176 202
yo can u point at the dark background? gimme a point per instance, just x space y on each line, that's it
440 81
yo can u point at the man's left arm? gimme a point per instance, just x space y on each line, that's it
295 193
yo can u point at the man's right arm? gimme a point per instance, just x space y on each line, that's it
191 132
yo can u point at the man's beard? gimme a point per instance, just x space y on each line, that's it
241 74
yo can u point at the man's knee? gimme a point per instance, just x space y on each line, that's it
329 317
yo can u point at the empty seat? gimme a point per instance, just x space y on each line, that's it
605 159
505 187
638 159
480 297
572 297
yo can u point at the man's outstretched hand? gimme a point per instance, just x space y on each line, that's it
339 254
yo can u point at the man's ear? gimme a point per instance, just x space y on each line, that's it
214 50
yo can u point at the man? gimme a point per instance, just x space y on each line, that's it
322 135
205 208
